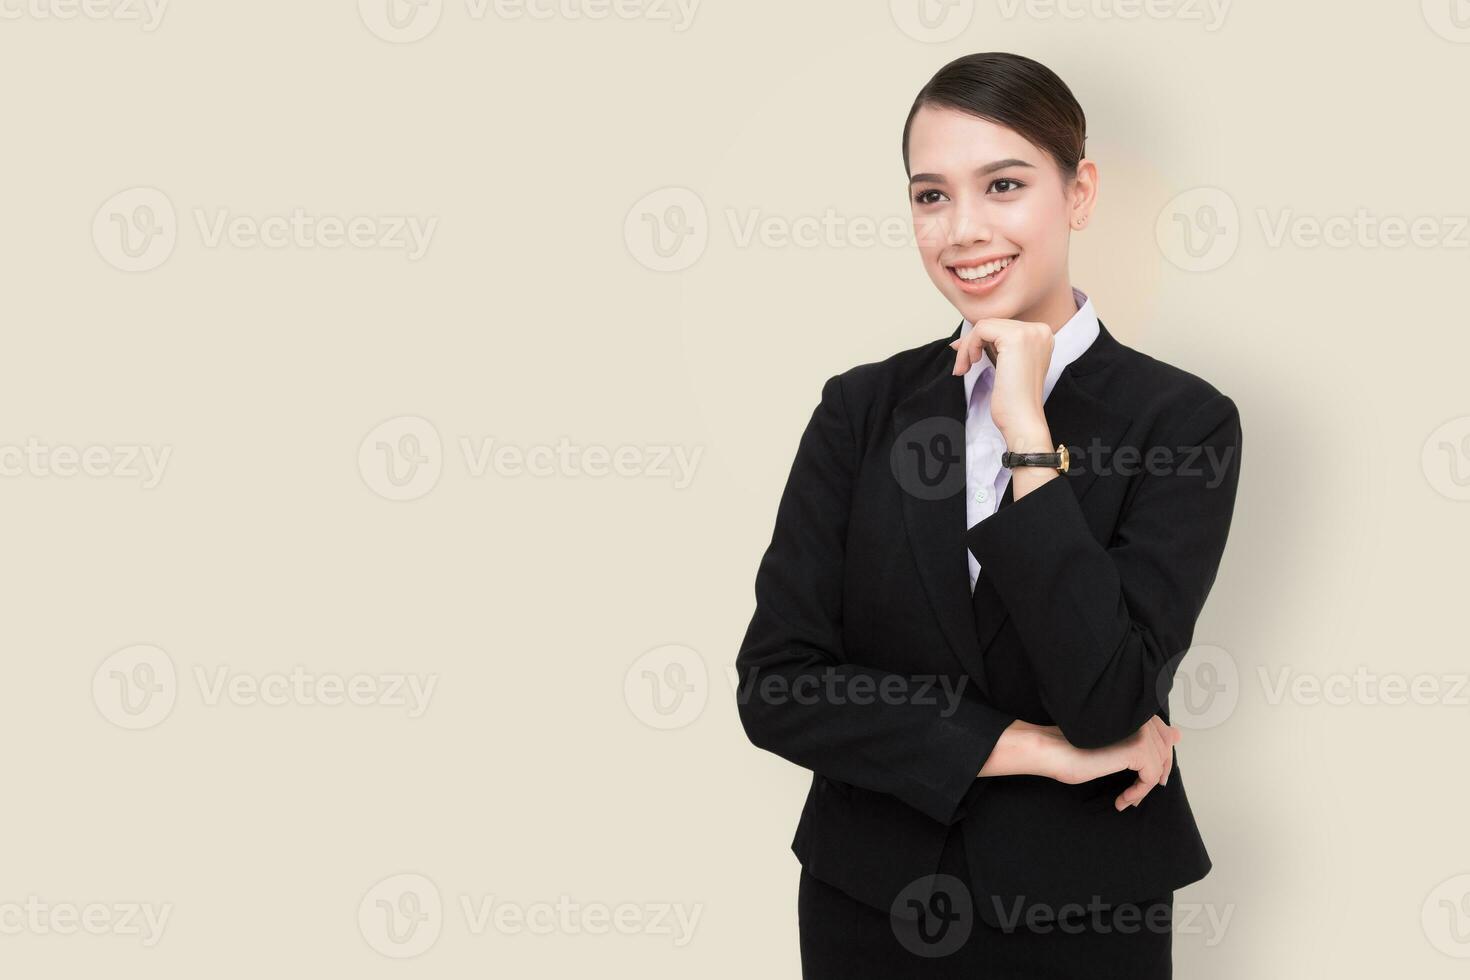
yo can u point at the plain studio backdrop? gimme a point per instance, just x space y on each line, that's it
397 399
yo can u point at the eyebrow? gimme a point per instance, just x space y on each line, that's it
989 168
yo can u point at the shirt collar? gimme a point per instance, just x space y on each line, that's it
1075 336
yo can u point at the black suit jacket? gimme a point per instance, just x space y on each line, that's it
869 662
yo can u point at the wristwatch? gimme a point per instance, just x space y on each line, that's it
1059 459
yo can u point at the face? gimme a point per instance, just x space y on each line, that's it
985 200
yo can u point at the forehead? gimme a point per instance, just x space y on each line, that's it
944 141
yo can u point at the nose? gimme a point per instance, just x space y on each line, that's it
969 224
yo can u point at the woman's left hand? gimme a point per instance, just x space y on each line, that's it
1021 351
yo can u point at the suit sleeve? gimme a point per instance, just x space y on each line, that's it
1105 628
800 698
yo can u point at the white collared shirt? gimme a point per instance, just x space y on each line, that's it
985 478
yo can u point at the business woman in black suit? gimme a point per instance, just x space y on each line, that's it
995 791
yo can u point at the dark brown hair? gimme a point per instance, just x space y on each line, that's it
1016 92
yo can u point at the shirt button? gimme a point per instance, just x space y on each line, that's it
982 495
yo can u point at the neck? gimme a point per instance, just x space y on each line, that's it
1055 309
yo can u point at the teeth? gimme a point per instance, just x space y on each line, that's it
982 271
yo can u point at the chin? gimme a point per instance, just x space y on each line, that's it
998 308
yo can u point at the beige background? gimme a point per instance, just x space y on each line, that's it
543 768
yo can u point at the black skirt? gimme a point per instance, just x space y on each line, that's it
844 938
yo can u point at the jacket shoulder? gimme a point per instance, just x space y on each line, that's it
1145 386
869 391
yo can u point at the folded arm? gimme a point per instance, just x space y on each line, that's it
1104 628
800 699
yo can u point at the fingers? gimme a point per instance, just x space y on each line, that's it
1170 737
967 351
1148 762
1153 760
967 348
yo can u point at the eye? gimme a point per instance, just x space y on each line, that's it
923 196
1007 180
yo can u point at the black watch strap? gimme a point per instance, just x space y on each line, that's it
1056 460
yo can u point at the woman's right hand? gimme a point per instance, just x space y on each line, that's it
1148 752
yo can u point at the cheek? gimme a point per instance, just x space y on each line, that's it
929 234
1028 225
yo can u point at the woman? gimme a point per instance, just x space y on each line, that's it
972 650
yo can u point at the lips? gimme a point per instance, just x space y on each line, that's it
978 287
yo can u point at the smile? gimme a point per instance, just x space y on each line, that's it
984 277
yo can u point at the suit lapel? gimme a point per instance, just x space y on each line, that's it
936 523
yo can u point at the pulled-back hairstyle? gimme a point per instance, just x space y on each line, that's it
1013 91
